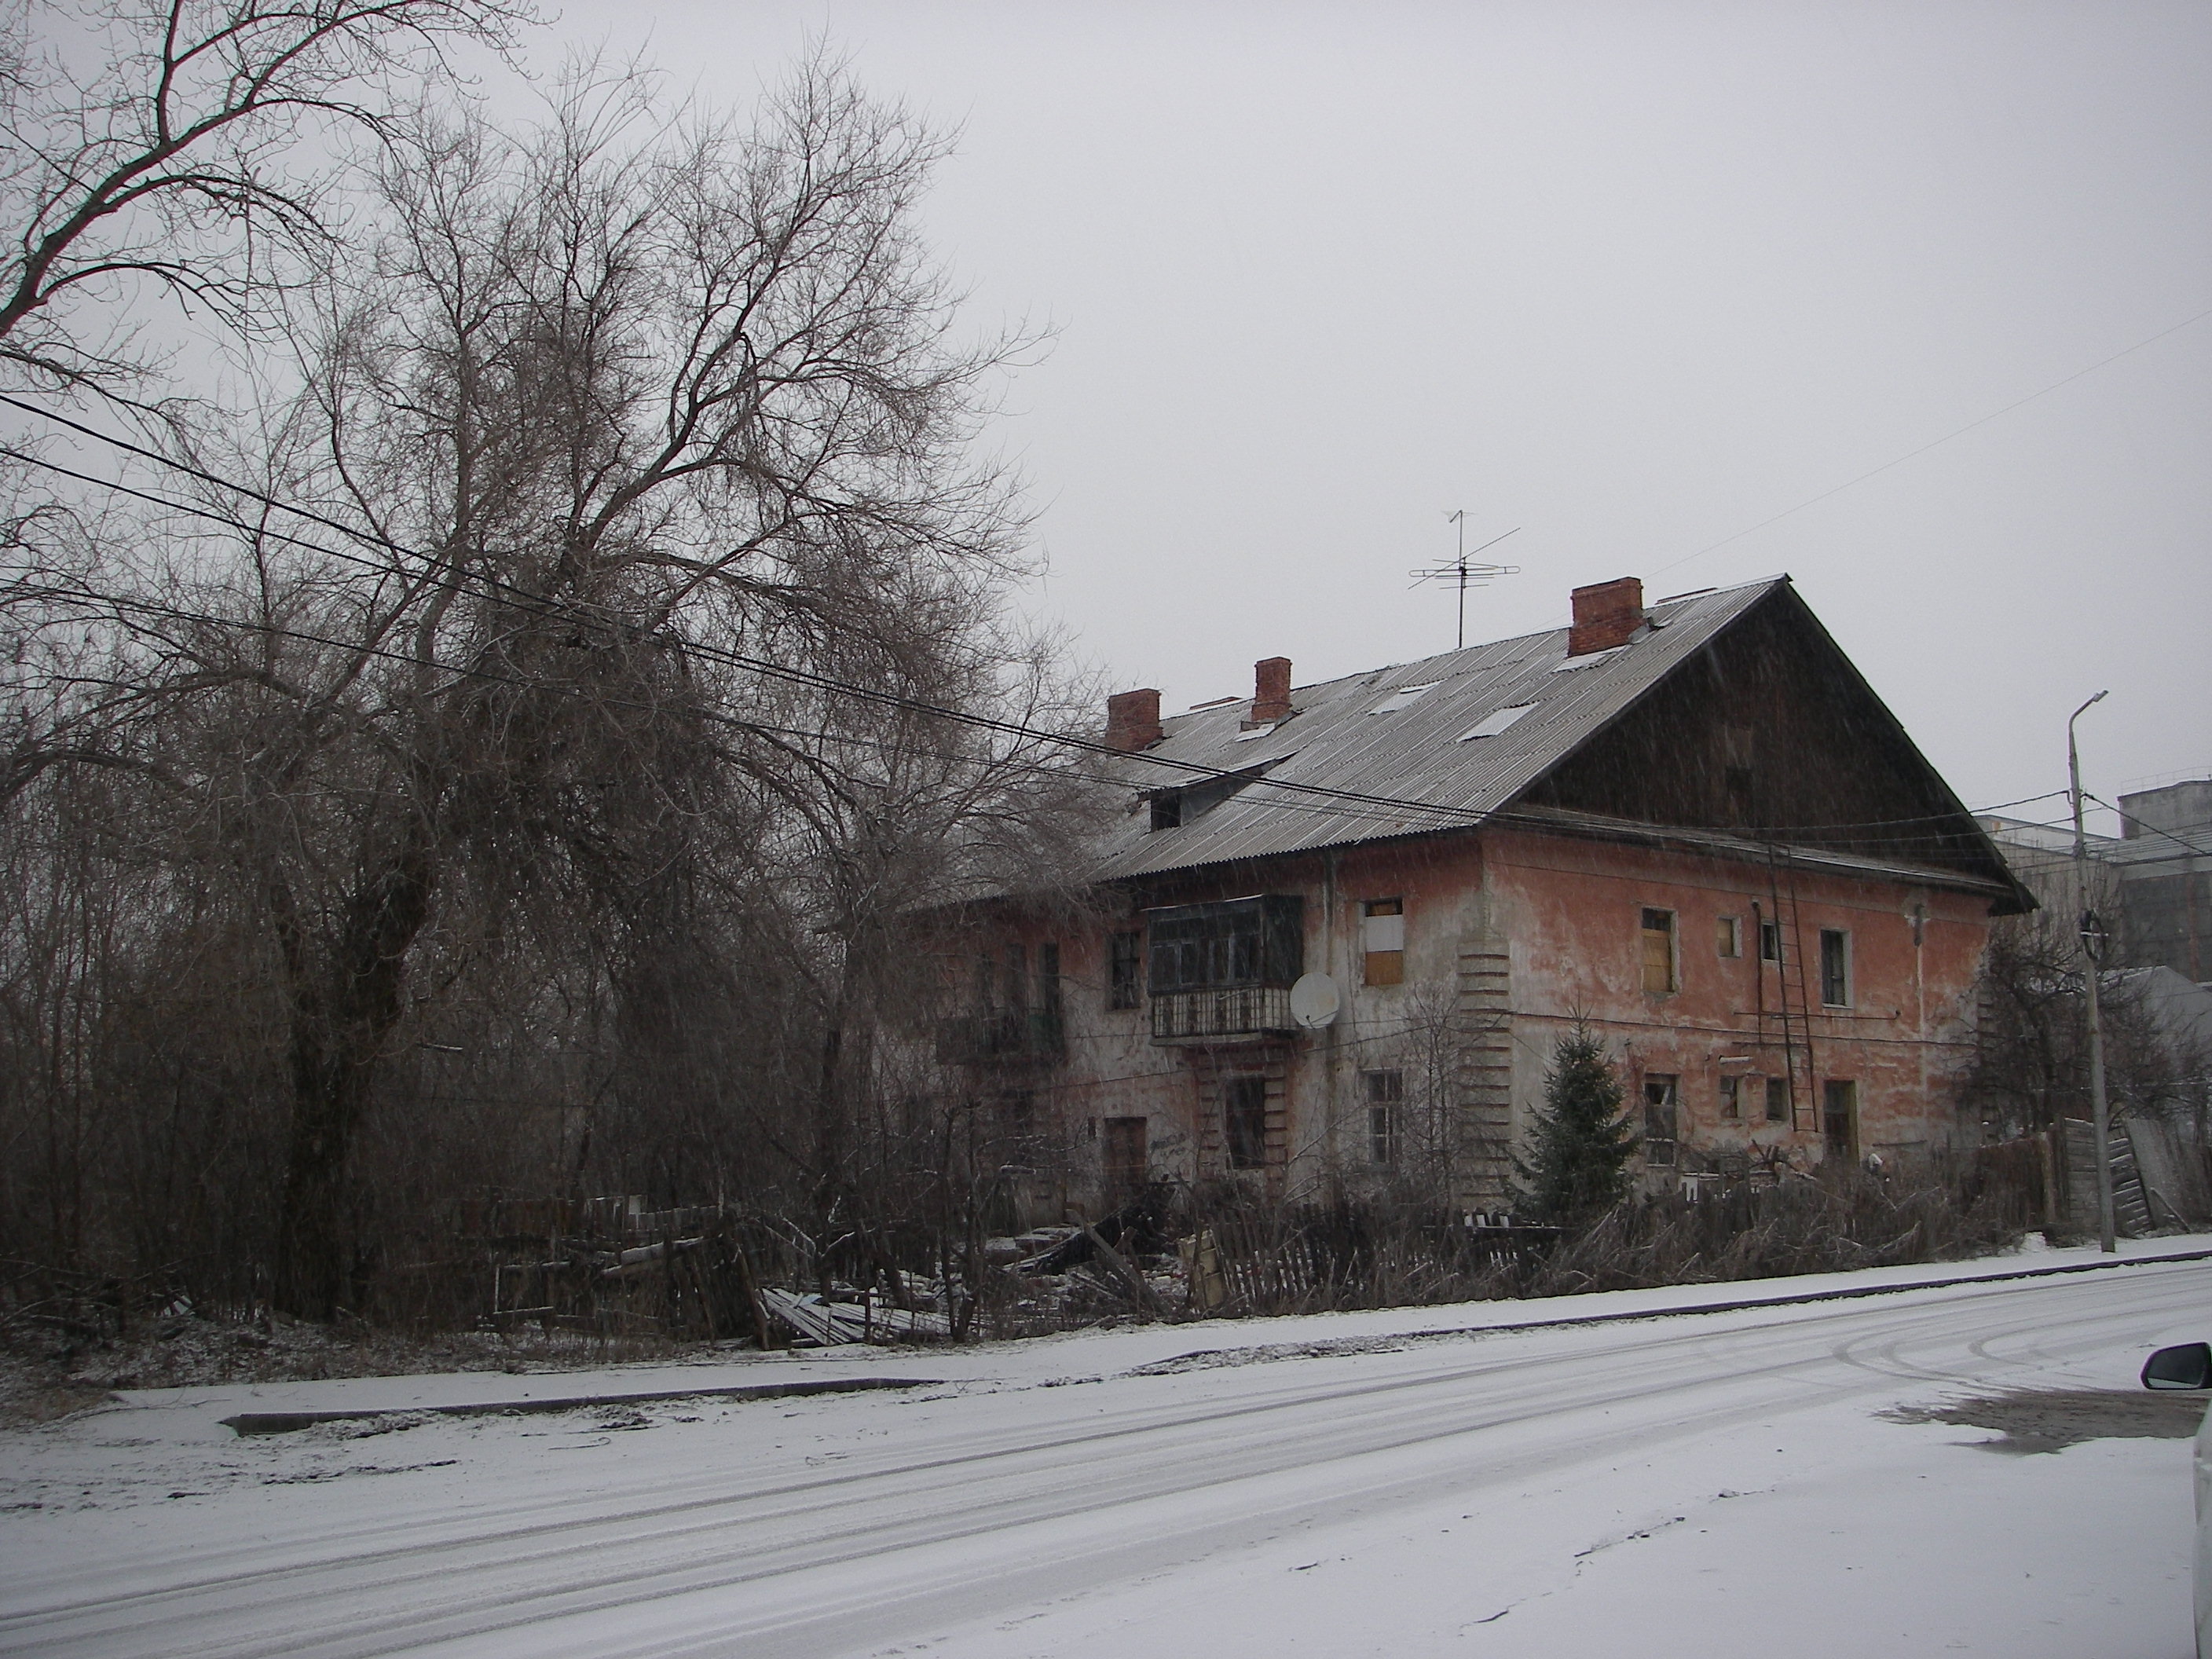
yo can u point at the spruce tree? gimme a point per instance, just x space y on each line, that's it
1577 1166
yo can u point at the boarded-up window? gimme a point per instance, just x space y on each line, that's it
1125 983
1661 1114
1658 950
1731 1097
1244 1120
1835 968
1728 936
1777 1100
1383 937
1386 1094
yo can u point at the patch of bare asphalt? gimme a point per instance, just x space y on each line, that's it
2051 1419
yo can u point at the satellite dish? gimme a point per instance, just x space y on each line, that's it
1315 1001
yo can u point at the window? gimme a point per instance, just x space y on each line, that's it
1173 808
1123 1156
1495 723
1661 1111
1402 697
1736 781
1731 1097
1383 937
1225 946
1770 941
1385 1093
1048 992
1659 951
1244 1121
1840 1117
1835 968
1125 971
1777 1100
1728 936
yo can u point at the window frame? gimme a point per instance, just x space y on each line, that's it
1125 968
1670 1104
1727 937
1836 974
1244 1120
1731 1093
1672 932
1777 1100
1227 945
1384 1092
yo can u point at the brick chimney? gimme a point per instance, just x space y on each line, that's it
1271 691
1132 719
1606 615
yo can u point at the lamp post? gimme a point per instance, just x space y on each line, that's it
2093 951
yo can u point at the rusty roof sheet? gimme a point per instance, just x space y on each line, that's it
1416 754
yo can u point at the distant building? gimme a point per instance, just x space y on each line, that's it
1342 925
2152 884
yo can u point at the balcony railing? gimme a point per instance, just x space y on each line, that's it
1248 1011
1016 1034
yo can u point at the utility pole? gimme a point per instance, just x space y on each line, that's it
1460 574
2093 953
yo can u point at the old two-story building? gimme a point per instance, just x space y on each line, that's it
1339 928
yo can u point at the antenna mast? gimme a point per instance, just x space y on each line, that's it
1461 574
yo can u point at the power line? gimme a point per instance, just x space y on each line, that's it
1338 800
2130 817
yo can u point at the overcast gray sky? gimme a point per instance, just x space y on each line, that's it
1637 278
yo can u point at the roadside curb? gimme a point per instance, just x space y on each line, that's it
250 1423
1852 1294
261 1423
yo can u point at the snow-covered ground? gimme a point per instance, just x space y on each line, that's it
1413 1482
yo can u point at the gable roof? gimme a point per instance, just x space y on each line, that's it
1445 757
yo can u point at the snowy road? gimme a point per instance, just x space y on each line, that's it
1528 1492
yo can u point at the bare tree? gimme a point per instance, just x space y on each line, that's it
160 145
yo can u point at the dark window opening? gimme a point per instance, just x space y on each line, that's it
1737 780
1048 991
1124 1156
1173 808
1731 1097
1770 941
1125 983
1244 1121
1835 968
1225 946
1840 1117
1777 1100
1661 1112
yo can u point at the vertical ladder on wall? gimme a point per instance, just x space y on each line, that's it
1792 1012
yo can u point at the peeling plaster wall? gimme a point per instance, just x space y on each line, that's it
1509 935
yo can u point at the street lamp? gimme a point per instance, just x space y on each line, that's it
2092 949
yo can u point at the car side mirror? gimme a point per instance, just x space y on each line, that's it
2189 1366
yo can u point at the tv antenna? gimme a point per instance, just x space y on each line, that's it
1462 573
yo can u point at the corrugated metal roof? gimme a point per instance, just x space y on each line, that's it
1417 753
